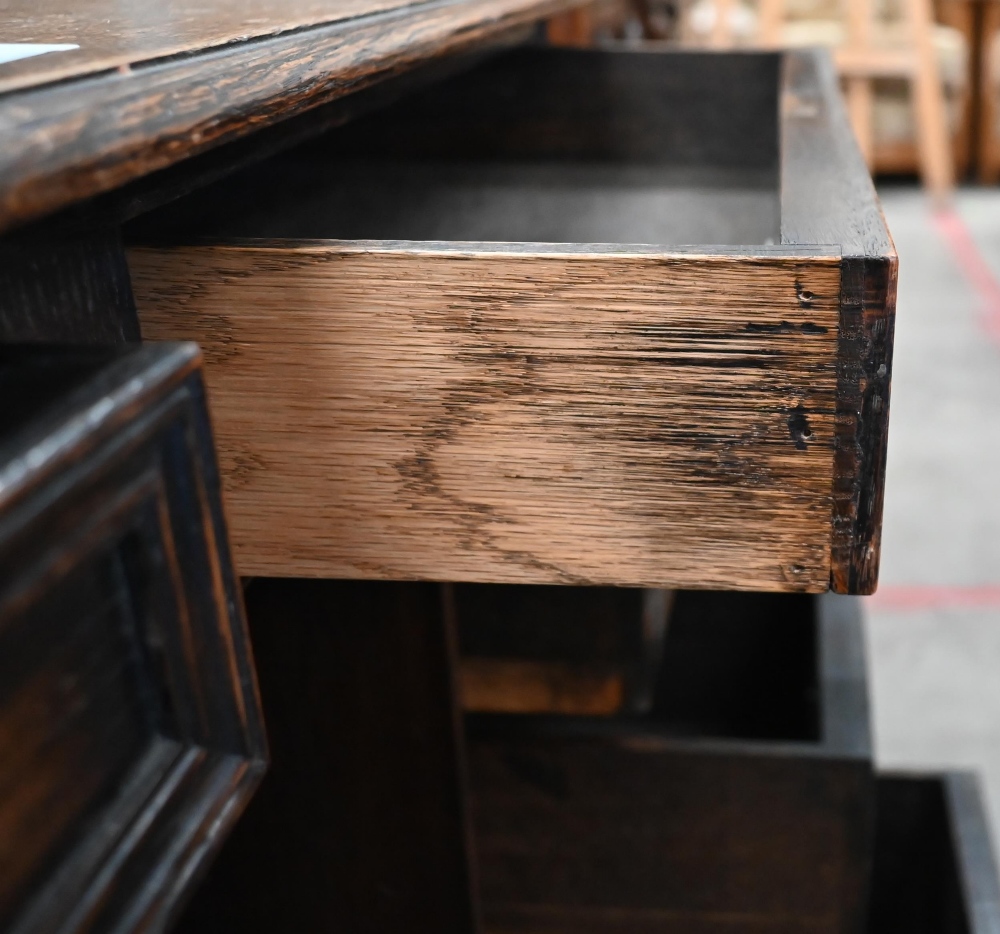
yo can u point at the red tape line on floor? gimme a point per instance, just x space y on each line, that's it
973 266
905 597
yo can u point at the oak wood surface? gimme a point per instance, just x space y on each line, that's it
74 139
561 427
130 33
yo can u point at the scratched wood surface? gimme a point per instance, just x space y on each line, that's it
125 33
827 196
184 78
474 413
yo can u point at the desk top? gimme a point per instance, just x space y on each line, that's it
157 81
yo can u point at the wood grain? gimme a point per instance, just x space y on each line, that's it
473 413
828 197
129 33
72 140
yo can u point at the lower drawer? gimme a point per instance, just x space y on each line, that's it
742 802
934 869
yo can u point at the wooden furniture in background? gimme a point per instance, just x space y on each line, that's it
513 425
572 28
863 57
901 156
130 728
988 87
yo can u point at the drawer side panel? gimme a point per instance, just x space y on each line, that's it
396 412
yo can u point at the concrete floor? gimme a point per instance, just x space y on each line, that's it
934 628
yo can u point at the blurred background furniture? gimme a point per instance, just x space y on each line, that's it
987 88
959 37
897 44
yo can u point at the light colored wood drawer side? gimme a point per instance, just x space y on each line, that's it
499 414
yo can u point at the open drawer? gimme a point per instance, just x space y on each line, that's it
477 336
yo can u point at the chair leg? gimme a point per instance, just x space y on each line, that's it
859 107
722 37
933 138
770 16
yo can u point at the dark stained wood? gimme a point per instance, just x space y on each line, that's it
72 140
527 106
827 197
152 191
361 824
934 870
70 288
561 105
667 823
130 729
743 666
124 34
576 201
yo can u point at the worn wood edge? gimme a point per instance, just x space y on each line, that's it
228 591
113 396
868 317
88 141
230 784
170 42
696 252
827 193
195 803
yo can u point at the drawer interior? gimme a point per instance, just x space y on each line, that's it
916 884
536 145
730 665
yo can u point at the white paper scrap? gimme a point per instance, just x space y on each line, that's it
12 51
